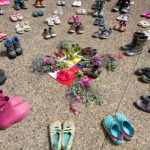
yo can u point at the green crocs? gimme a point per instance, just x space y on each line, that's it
68 134
55 134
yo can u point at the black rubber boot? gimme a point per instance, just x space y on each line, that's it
141 41
2 77
134 40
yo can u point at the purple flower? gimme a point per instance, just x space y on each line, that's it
48 61
84 82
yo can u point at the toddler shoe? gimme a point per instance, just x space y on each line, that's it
17 4
1 12
42 3
52 33
25 26
55 135
78 3
13 17
50 21
19 16
23 4
46 34
72 28
37 3
56 20
68 134
113 129
80 29
3 36
125 126
2 77
75 3
19 28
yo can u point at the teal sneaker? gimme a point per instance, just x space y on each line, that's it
112 129
68 134
55 135
125 126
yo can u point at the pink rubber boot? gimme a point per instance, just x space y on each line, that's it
6 2
9 114
2 3
15 100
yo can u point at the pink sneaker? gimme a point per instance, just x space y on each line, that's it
77 19
15 100
19 16
9 114
71 19
13 17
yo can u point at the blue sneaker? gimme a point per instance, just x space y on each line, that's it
113 129
125 126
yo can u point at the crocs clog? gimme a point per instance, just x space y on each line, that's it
113 129
125 126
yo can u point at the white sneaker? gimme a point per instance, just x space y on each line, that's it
50 21
56 20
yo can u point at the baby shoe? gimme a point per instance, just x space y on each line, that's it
1 12
19 16
46 34
50 21
3 36
13 17
56 20
25 26
2 77
19 28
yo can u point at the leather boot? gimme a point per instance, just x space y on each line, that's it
128 46
9 115
141 41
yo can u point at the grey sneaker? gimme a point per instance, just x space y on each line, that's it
46 34
52 33
97 33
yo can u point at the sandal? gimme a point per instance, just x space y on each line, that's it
105 33
19 28
26 26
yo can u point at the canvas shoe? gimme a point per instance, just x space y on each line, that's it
68 134
52 33
46 34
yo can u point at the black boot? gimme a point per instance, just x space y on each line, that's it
117 6
124 7
141 41
129 46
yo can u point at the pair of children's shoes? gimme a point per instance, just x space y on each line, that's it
13 47
16 16
118 128
62 135
49 33
23 27
20 4
12 110
40 3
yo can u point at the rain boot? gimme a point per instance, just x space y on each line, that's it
9 114
141 41
15 100
128 46
10 48
17 46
